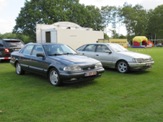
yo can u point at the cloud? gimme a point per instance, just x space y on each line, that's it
2 1
6 26
2 4
147 4
151 4
9 10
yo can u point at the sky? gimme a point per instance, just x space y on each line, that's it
9 9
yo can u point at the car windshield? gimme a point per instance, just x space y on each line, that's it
58 49
117 48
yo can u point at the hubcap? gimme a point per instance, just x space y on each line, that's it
122 67
53 77
18 69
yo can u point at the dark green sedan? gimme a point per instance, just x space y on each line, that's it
56 61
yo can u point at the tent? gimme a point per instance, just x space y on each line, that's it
141 42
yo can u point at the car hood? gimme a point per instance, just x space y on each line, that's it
75 59
134 54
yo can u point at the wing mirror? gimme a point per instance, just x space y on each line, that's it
108 51
40 55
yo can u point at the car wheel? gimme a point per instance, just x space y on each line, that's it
54 77
122 67
19 70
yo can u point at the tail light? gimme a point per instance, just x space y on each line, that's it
7 50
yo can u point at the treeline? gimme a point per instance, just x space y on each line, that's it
23 37
136 19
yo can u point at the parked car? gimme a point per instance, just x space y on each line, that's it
159 45
116 56
57 61
9 45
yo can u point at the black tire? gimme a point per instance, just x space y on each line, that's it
19 69
54 77
122 67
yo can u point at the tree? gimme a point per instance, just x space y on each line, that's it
8 35
106 36
110 15
135 19
155 23
111 18
86 16
24 38
93 18
51 11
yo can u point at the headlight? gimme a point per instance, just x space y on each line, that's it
72 68
98 65
138 60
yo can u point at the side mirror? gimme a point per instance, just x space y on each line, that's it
108 51
40 55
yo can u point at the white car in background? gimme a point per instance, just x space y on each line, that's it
113 55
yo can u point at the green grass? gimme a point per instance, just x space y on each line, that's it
114 97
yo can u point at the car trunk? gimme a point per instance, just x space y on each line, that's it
9 47
13 45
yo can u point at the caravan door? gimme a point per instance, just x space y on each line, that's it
51 36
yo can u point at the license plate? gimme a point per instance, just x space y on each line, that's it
17 49
148 64
91 73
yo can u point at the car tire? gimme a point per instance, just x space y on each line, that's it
122 67
54 77
19 69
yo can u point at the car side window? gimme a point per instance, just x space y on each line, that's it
90 48
102 48
81 48
27 50
37 49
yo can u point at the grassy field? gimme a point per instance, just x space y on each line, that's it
114 97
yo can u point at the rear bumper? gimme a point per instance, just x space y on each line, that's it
5 58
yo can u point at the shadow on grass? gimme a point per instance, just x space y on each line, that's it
85 83
4 61
79 84
136 72
43 79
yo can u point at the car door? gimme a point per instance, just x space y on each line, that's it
25 57
38 63
104 54
89 50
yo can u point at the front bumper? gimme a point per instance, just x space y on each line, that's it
137 66
91 74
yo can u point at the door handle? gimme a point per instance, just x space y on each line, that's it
97 55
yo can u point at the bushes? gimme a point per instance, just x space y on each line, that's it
24 38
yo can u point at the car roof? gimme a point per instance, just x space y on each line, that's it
98 43
101 43
11 39
44 43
